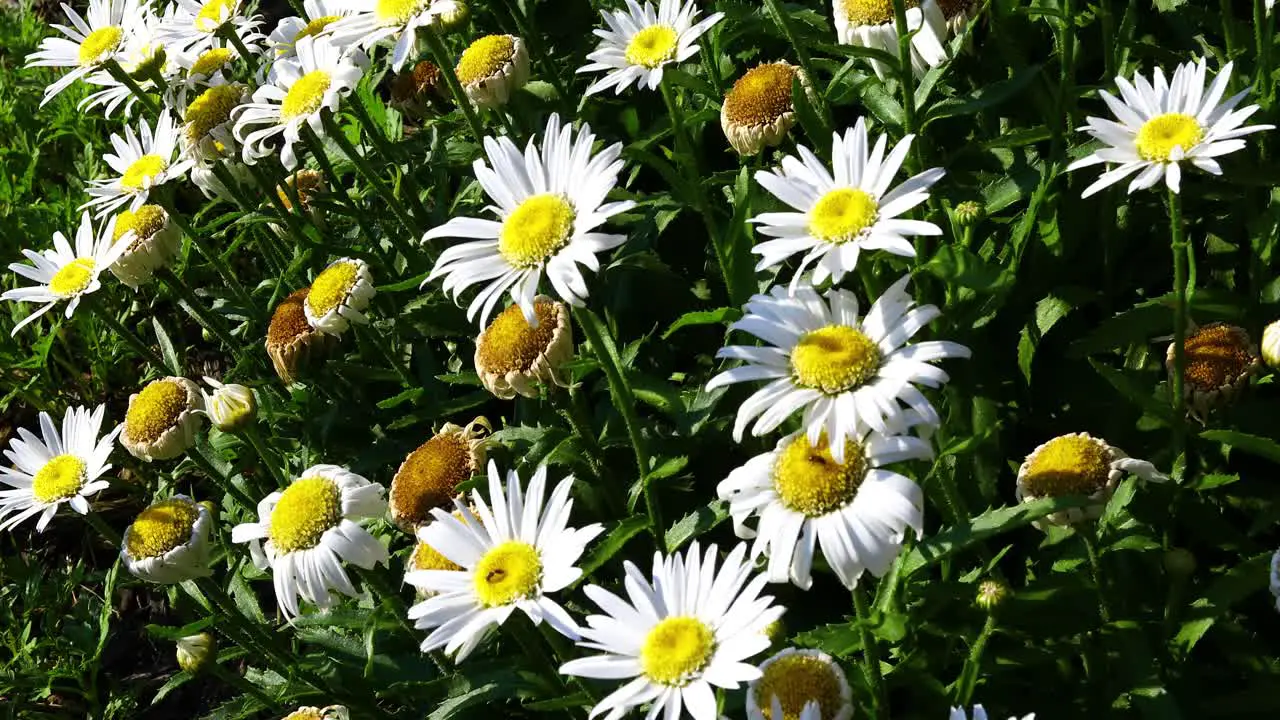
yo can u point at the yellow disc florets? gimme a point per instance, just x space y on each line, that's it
536 230
73 278
485 58
212 108
145 222
430 476
398 12
213 13
211 61
142 172
154 410
99 44
1217 356
509 344
160 528
1161 134
761 96
795 680
834 359
871 12
60 478
426 557
843 214
676 650
508 572
1068 465
316 26
306 94
306 509
808 480
652 46
332 287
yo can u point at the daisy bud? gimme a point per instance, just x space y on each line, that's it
1218 360
150 62
230 407
991 594
793 679
492 68
512 357
195 651
758 110
1271 345
1077 464
168 542
338 295
154 242
956 13
306 712
455 17
1179 563
970 213
777 631
429 477
291 341
162 419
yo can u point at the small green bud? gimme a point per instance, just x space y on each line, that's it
1179 562
1271 345
970 212
457 17
230 407
195 651
991 594
776 632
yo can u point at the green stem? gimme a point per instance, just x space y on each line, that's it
907 79
1262 35
364 168
1066 84
391 599
870 654
440 55
373 338
271 190
265 455
536 49
383 144
802 55
107 532
196 307
165 200
130 339
1228 28
228 33
1088 535
973 664
1178 244
117 72
224 482
340 194
1109 37
242 683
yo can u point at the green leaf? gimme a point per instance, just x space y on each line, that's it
696 523
961 267
170 356
1252 444
724 315
613 542
985 97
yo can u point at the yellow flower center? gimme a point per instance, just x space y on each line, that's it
1216 356
316 26
508 572
652 46
842 215
306 509
426 557
305 714
289 321
871 12
535 230
429 477
510 345
331 287
73 278
145 222
796 680
212 108
761 96
1162 133
161 528
676 650
306 95
142 172
213 13
484 58
60 478
155 410
398 12
809 481
211 61
1068 465
99 43
834 359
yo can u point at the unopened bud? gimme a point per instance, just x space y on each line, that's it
456 17
1179 562
776 631
1271 345
230 407
195 651
991 594
970 212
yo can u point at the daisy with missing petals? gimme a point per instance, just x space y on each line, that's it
60 468
1078 464
836 215
309 530
153 240
193 26
679 634
871 24
848 373
373 21
162 419
492 68
143 160
958 713
758 110
516 357
319 15
91 42
291 342
64 273
430 475
513 552
641 40
853 510
1160 124
798 685
299 91
550 204
1218 360
338 296
169 541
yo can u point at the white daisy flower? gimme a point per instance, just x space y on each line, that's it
309 529
872 24
338 296
850 374
513 551
679 634
144 160
299 91
318 16
641 40
67 273
550 204
958 713
373 21
853 510
142 56
800 685
169 541
92 41
1160 124
60 468
839 214
193 26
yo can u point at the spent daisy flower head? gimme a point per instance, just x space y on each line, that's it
687 629
516 357
1077 464
871 24
550 204
162 419
338 296
1159 124
291 341
958 713
93 40
318 15
373 21
192 26
55 468
300 90
800 685
307 530
169 541
853 510
492 68
1218 360
641 40
849 373
758 111
430 475
148 240
66 273
837 214
514 551
143 160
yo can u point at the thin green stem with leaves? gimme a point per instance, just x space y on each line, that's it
266 456
907 79
197 307
1178 245
130 338
365 169
440 55
870 654
223 481
122 77
243 684
968 680
1089 534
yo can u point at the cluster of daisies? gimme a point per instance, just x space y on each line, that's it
223 104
